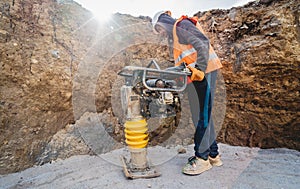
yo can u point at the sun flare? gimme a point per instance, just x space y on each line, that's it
102 13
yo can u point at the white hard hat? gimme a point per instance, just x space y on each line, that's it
156 16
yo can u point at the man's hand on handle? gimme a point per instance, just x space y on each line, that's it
197 75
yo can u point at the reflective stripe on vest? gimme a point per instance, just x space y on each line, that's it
185 54
213 56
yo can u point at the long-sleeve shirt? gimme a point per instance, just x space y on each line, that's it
188 33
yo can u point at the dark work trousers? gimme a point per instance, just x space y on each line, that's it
201 95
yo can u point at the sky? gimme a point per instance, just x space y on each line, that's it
103 9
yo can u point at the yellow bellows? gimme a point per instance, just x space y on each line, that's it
136 133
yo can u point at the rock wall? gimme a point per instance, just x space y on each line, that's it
259 46
40 49
51 51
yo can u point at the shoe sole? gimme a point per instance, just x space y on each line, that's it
216 164
196 172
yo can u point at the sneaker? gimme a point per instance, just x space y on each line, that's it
196 166
215 161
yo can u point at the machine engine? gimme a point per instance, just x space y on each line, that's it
156 91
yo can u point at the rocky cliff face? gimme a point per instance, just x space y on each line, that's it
40 49
57 63
259 45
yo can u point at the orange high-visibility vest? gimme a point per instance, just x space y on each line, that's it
187 54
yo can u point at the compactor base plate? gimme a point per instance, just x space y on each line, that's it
131 173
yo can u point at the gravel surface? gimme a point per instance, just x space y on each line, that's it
243 168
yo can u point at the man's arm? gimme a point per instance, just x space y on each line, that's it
188 33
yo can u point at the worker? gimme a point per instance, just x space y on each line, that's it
190 46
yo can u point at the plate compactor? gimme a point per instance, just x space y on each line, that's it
147 92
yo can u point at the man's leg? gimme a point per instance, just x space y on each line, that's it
212 85
198 163
201 98
196 95
214 157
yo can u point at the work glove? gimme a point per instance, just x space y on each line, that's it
197 75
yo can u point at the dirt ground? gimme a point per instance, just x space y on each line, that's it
243 168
